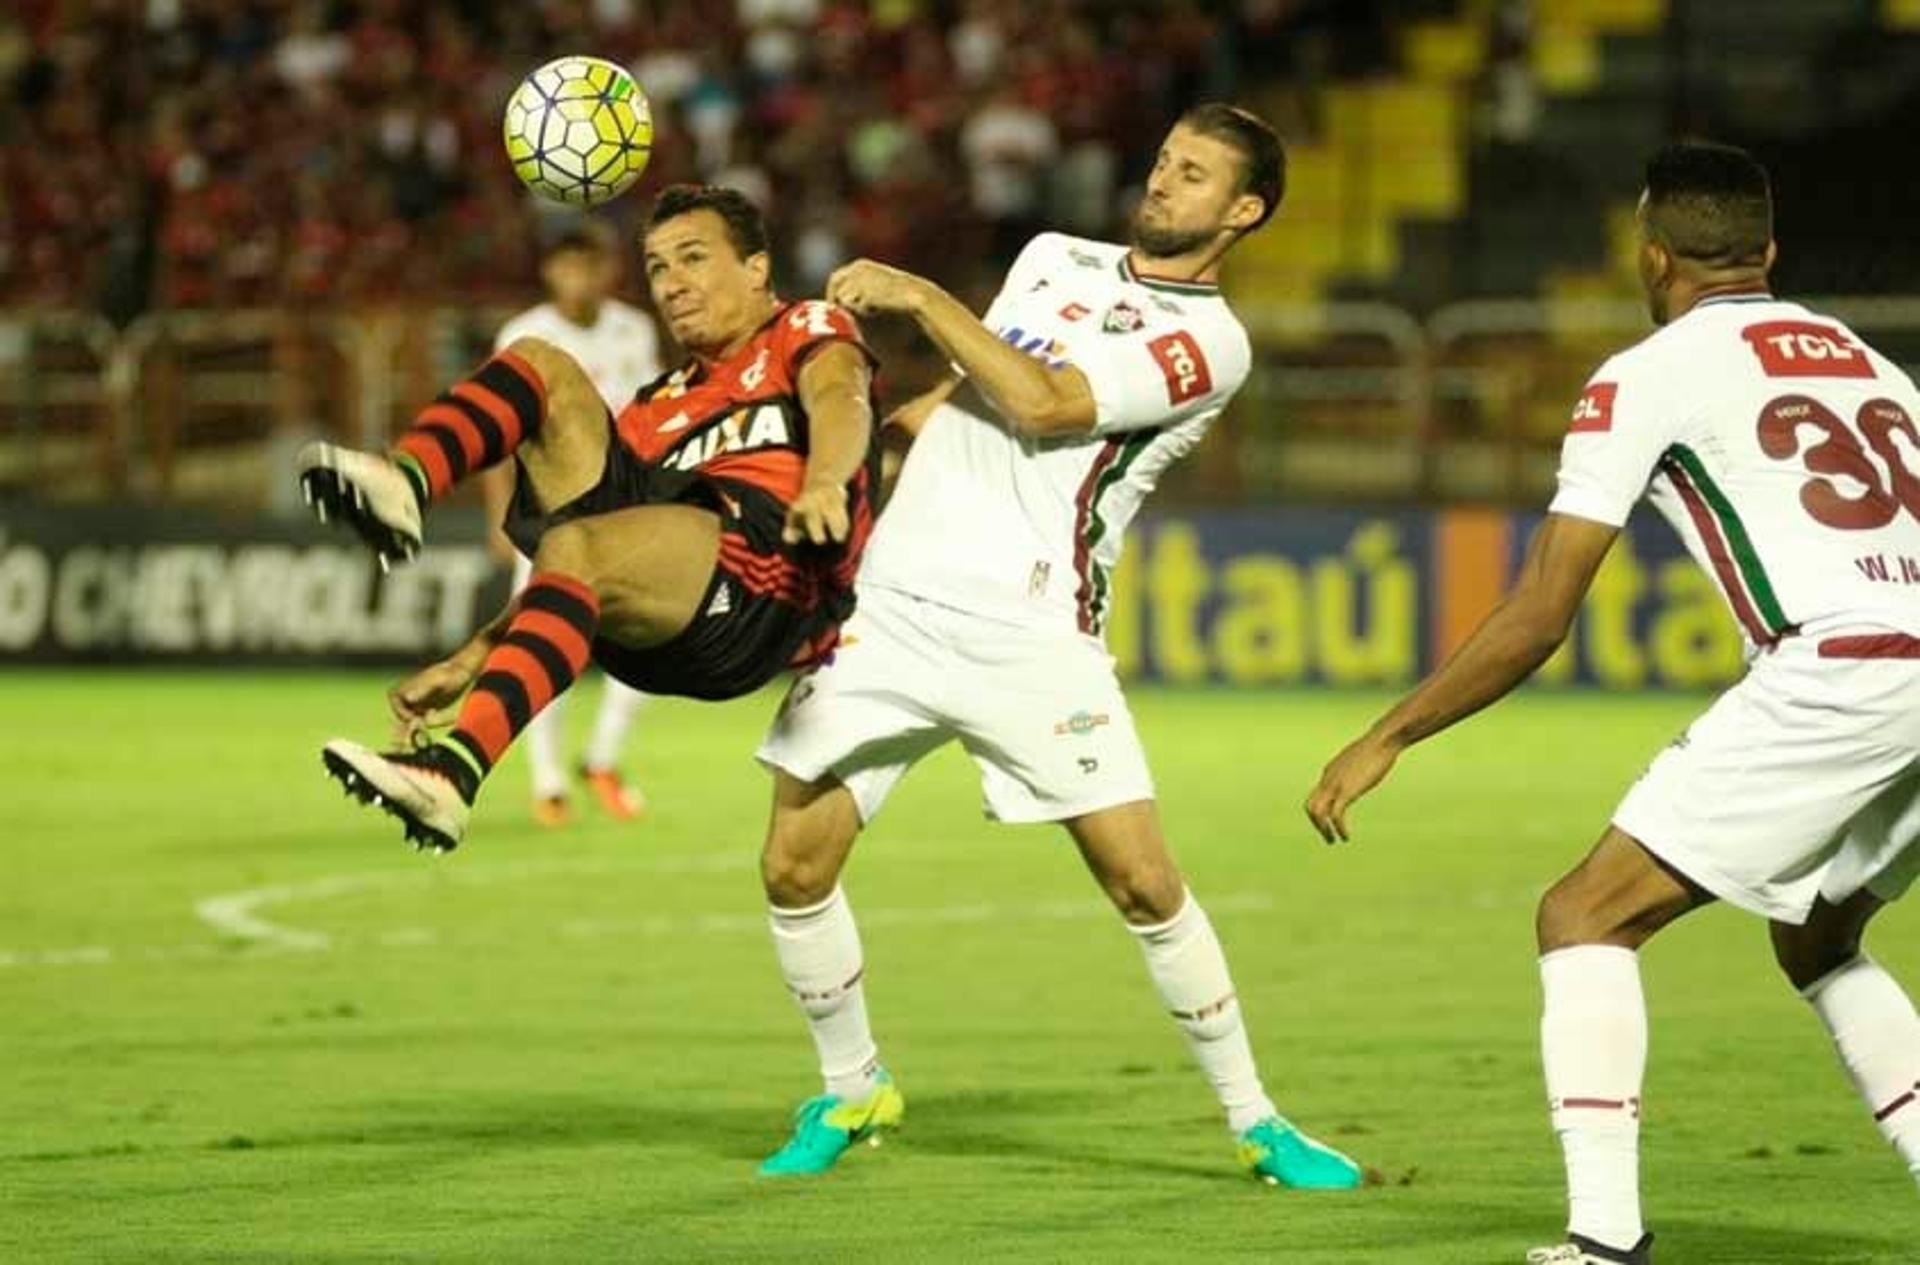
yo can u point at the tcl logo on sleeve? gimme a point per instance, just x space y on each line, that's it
1594 412
1802 349
1179 358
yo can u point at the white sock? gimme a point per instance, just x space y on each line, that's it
618 703
1187 965
545 735
819 951
1593 1041
1874 1028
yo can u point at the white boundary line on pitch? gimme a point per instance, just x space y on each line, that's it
239 915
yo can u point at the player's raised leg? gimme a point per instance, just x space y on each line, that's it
531 400
635 577
1593 1034
1126 851
812 831
1866 1012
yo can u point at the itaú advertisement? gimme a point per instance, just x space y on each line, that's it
1345 598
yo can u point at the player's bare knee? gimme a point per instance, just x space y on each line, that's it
1560 921
795 875
553 365
798 866
575 409
1572 914
1146 890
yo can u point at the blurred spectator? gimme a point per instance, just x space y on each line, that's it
310 56
1511 96
1009 146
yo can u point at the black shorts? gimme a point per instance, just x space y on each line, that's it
761 613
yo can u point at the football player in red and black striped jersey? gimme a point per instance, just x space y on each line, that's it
698 543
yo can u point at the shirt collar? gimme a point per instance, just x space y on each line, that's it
1168 284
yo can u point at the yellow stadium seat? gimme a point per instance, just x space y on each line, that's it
1566 57
1613 15
1445 52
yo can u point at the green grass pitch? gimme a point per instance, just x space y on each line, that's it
575 1046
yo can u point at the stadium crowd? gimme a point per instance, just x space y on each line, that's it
182 153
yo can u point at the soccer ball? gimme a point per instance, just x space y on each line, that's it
579 131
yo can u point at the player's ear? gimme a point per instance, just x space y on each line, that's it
760 268
1656 263
1245 212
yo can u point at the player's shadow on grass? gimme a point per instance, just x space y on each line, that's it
1401 1227
951 1124
1698 1242
479 1124
1025 1124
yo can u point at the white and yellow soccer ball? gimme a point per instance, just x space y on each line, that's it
579 130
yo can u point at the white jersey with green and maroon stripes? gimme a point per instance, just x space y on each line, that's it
1783 449
1028 531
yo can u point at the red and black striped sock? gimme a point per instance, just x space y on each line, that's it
546 645
473 424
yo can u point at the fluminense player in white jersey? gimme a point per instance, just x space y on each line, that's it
615 344
1783 450
983 598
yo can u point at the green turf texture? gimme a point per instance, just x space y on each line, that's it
575 1046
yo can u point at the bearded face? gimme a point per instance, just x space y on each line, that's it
1193 189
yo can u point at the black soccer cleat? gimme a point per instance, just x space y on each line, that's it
408 785
1581 1250
368 493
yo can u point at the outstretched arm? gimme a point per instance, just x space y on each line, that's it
424 700
1034 399
836 392
1516 638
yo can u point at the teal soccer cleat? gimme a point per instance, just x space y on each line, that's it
826 1126
1280 1155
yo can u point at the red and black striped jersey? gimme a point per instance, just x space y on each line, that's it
741 418
741 421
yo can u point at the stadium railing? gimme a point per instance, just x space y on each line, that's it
1346 401
1504 375
61 429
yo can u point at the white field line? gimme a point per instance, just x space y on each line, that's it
238 915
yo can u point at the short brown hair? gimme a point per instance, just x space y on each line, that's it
746 228
1263 158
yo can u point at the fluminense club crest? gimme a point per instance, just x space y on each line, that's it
1123 318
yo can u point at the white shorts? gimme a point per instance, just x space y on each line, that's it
1038 709
1802 781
